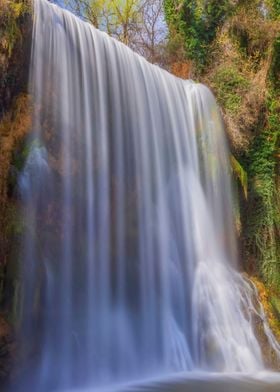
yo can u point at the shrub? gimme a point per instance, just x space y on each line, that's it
230 87
197 21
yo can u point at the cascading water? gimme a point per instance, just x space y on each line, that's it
129 250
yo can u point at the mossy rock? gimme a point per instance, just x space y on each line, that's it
7 350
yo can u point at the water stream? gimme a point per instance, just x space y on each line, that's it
130 266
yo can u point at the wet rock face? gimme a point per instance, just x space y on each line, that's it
15 46
7 350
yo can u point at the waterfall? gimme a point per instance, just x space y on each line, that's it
129 255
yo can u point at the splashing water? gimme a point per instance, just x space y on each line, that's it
129 251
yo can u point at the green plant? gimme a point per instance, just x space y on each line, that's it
275 65
10 13
197 21
262 233
275 302
230 86
251 34
275 8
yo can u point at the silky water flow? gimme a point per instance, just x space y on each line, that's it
129 255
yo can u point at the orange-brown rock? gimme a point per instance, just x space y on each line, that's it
7 349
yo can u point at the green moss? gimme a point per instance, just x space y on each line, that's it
230 87
240 174
22 152
15 226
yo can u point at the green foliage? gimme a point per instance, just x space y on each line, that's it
251 33
275 302
275 66
119 18
10 14
275 5
265 215
230 86
197 21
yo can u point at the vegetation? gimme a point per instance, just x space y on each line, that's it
14 45
234 47
10 14
15 122
263 227
231 45
198 22
118 18
231 86
137 23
